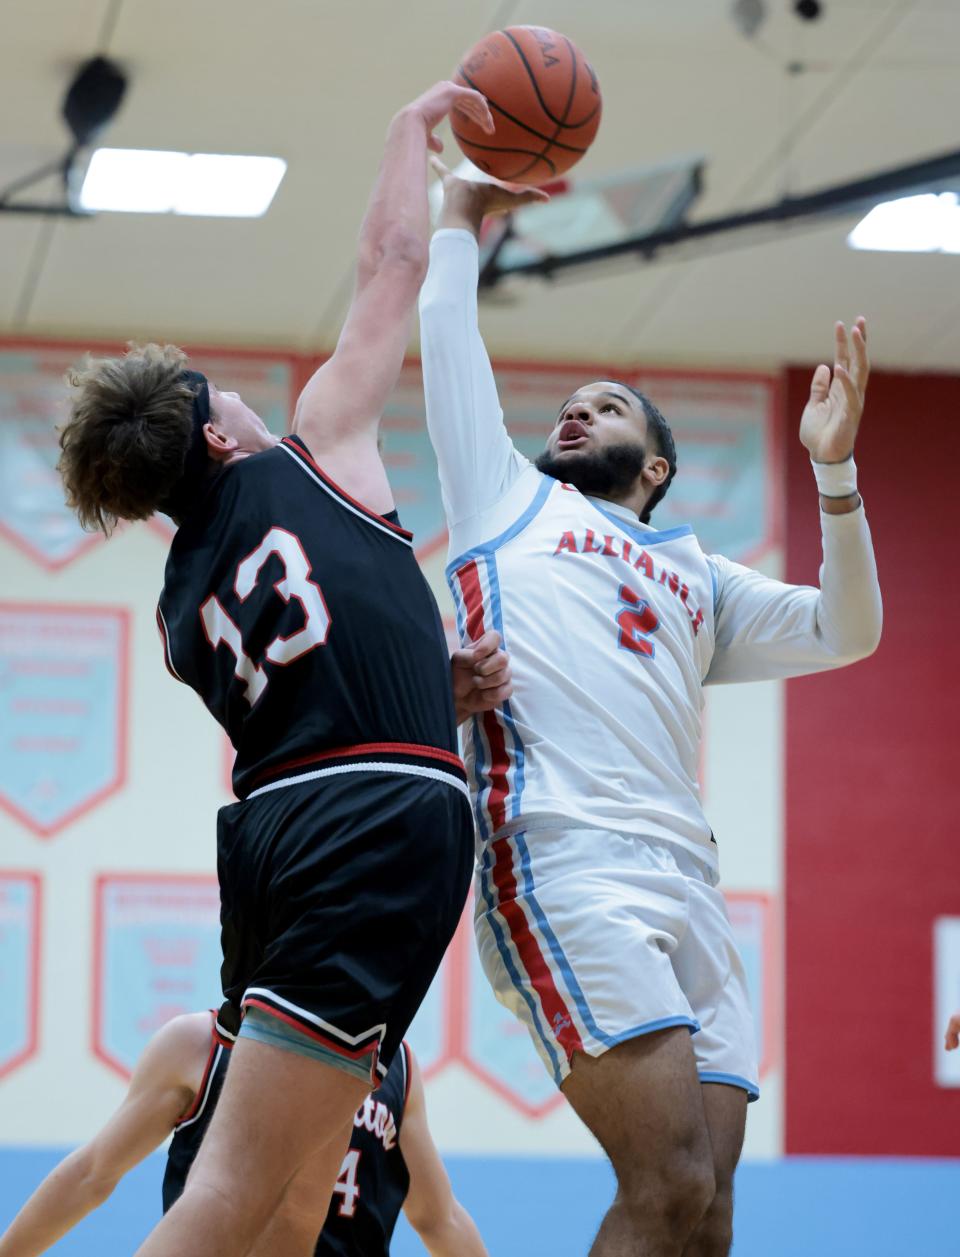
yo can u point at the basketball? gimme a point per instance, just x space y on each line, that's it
545 101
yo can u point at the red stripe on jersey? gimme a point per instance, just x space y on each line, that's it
366 750
353 1054
308 458
499 759
161 629
469 579
215 1042
531 957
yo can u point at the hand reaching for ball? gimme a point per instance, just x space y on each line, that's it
467 202
435 103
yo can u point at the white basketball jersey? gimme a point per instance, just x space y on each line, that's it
609 627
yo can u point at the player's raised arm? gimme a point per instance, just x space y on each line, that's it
476 458
342 403
767 629
442 1223
161 1090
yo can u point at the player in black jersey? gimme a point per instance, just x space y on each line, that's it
391 1163
294 606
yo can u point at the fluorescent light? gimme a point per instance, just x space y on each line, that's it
928 223
132 180
148 181
230 187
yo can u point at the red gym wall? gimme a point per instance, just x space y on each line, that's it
873 792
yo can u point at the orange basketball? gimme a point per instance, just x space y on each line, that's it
545 101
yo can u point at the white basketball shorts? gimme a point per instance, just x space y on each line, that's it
592 938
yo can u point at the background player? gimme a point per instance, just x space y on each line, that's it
293 604
391 1163
598 918
951 1037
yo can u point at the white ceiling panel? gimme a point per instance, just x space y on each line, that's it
316 84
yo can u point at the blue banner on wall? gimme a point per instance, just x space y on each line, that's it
157 955
19 967
63 703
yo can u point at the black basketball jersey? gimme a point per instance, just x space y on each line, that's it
373 1180
303 621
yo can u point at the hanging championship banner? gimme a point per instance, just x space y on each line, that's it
33 401
499 1050
156 955
20 895
727 483
428 1031
63 710
752 917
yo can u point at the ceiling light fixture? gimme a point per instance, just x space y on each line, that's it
928 223
151 181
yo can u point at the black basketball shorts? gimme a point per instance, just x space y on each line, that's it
339 897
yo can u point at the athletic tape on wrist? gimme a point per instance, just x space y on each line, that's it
836 480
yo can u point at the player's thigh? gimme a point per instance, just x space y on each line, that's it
302 1211
277 1111
725 1110
711 974
643 1102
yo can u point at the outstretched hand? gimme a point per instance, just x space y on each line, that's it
435 103
828 427
466 202
480 674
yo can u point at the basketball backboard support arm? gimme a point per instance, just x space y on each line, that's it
934 174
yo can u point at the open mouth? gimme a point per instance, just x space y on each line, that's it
572 434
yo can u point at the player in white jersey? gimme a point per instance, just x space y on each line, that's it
599 921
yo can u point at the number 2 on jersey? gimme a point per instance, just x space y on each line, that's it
347 1184
636 621
295 583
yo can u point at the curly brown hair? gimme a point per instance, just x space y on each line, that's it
125 443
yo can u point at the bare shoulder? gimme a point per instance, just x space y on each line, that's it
178 1051
354 463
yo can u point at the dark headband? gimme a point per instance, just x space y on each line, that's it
196 465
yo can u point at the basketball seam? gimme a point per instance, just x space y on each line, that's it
493 148
573 90
570 148
536 86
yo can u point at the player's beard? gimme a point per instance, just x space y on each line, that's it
610 472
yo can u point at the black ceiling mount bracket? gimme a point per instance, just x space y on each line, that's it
92 98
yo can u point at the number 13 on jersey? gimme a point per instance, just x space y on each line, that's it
295 583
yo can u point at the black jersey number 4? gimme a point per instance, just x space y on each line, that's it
220 629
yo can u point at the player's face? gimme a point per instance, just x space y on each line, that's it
234 418
597 416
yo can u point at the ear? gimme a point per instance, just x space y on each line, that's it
655 471
219 445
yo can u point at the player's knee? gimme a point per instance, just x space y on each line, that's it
714 1236
675 1198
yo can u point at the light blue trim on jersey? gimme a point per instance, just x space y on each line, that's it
496 613
518 983
488 547
651 538
609 1040
732 1080
713 582
477 736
